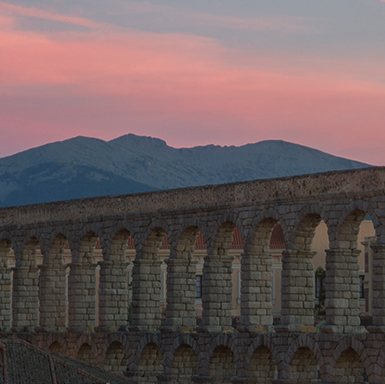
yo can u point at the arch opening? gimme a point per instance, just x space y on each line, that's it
5 253
224 238
85 354
116 359
150 364
303 366
56 348
121 242
349 368
55 254
222 365
262 365
184 365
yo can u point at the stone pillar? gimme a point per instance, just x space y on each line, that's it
113 295
25 299
217 293
146 311
297 291
81 296
342 286
52 296
378 281
256 305
5 299
181 295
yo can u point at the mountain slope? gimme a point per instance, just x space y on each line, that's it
85 167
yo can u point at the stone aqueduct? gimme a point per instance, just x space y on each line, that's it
175 350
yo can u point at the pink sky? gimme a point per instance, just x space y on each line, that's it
102 79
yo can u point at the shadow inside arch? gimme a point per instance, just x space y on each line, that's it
222 365
85 354
304 366
150 364
116 359
56 348
349 368
262 366
184 365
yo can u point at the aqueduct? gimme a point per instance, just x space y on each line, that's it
33 298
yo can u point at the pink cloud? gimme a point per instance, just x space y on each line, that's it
15 10
284 23
188 90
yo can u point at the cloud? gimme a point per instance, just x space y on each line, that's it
15 10
265 23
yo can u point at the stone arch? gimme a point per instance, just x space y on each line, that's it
83 250
185 339
261 365
149 245
56 348
262 341
55 248
303 366
184 364
304 229
223 234
222 365
182 243
114 241
185 245
56 340
149 364
305 342
5 248
350 361
223 340
116 358
86 355
26 252
349 368
116 250
259 235
59 233
347 228
85 338
148 338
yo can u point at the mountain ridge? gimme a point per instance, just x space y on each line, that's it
85 167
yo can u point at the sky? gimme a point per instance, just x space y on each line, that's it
196 72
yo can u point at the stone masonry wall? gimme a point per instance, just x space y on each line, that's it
298 350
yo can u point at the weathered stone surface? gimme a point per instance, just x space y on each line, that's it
172 352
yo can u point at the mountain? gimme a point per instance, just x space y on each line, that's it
86 167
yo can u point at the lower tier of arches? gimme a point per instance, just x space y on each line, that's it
238 357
